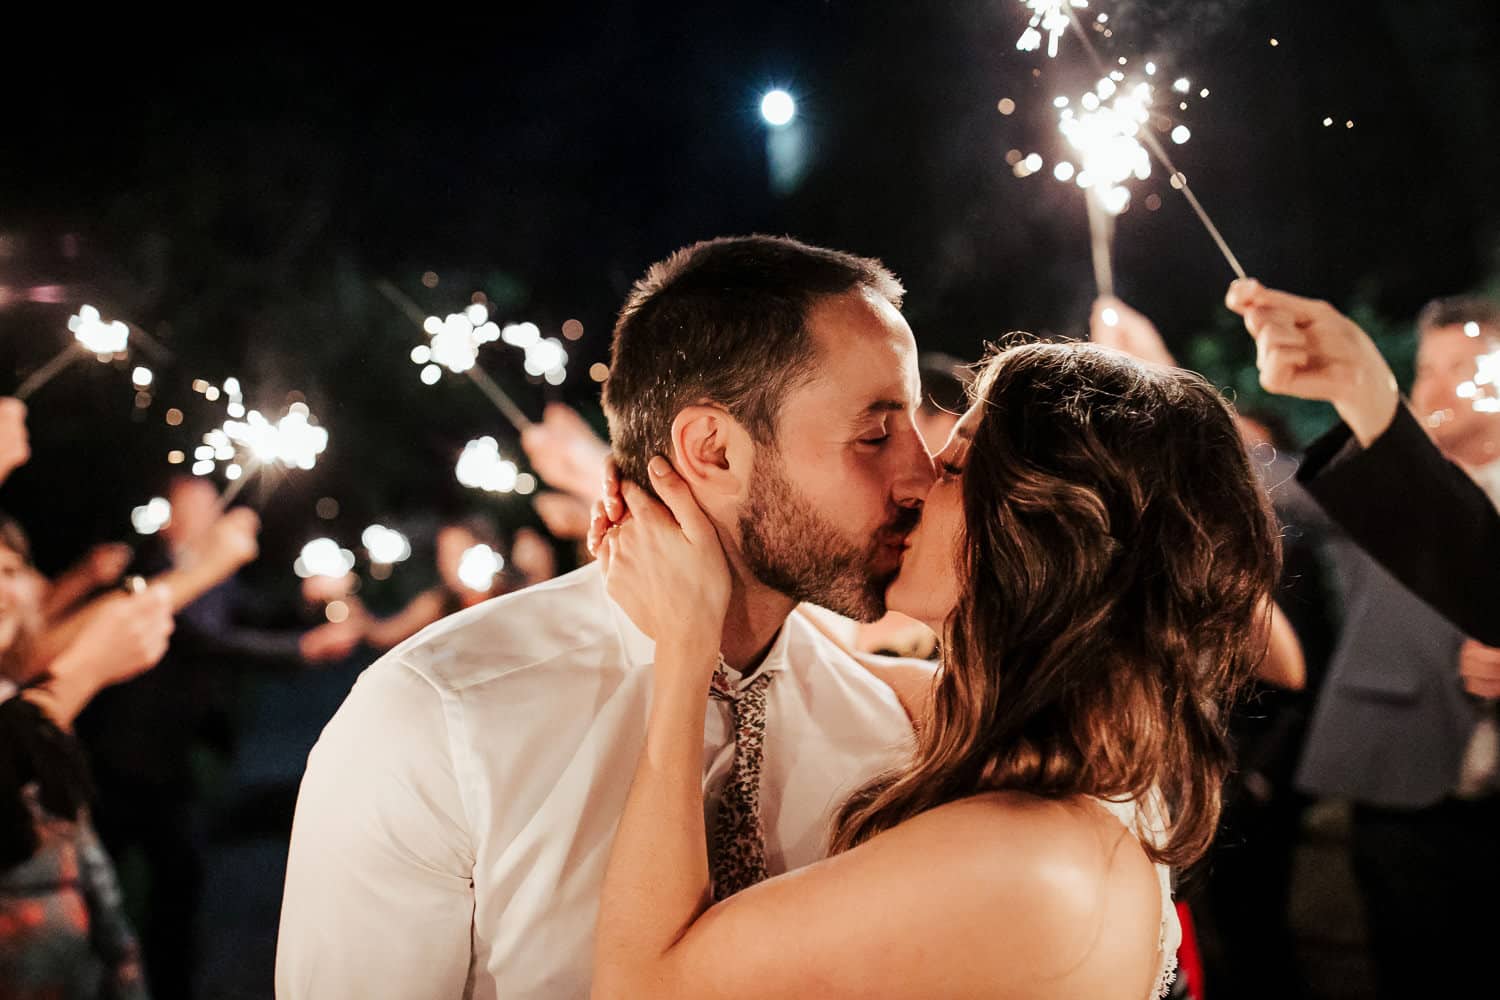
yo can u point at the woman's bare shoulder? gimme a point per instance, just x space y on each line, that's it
910 679
999 895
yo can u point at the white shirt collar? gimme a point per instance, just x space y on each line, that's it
640 648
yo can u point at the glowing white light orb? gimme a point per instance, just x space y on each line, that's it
1064 171
1181 134
521 335
98 336
152 516
323 557
778 108
385 545
1051 17
480 467
141 377
293 441
478 567
1111 316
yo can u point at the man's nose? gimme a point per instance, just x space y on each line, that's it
918 475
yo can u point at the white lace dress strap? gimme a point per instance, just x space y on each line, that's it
1147 825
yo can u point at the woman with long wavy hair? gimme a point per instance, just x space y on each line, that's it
1098 559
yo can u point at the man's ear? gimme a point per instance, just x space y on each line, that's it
713 452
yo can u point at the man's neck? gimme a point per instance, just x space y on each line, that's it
756 615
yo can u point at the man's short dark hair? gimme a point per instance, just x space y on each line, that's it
725 322
1456 310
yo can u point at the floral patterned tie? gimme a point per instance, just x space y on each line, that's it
738 856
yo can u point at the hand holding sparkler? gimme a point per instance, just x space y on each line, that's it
232 540
565 451
119 637
1479 666
1308 349
1114 324
15 443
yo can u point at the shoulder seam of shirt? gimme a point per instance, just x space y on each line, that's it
453 687
463 770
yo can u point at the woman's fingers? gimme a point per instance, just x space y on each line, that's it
614 503
679 499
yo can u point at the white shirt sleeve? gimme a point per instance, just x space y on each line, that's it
379 897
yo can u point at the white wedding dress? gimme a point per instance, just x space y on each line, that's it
1146 825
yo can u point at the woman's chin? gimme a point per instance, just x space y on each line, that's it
898 598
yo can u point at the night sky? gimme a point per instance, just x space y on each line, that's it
237 197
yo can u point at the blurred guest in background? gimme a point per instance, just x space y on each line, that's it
1396 731
1377 474
63 930
146 737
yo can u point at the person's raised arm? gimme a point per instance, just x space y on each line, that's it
101 566
15 444
227 546
1390 488
1308 349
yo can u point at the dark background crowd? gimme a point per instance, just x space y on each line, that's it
243 199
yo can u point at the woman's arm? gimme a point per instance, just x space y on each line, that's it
657 882
1285 666
666 567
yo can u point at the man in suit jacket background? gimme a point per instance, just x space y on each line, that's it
1398 729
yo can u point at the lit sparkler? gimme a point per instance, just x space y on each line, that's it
323 557
152 516
1105 132
478 567
545 356
480 467
454 345
248 445
385 546
1483 390
96 337
1050 17
1178 178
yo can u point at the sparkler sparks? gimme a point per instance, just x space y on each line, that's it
1107 138
385 546
323 557
479 566
480 467
1047 16
545 356
1483 391
456 340
455 345
101 339
152 516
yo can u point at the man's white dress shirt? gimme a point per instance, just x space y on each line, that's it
456 815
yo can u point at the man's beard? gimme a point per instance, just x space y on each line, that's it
794 550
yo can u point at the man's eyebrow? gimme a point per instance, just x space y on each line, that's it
887 406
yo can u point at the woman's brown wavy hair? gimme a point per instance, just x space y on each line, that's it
1117 561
